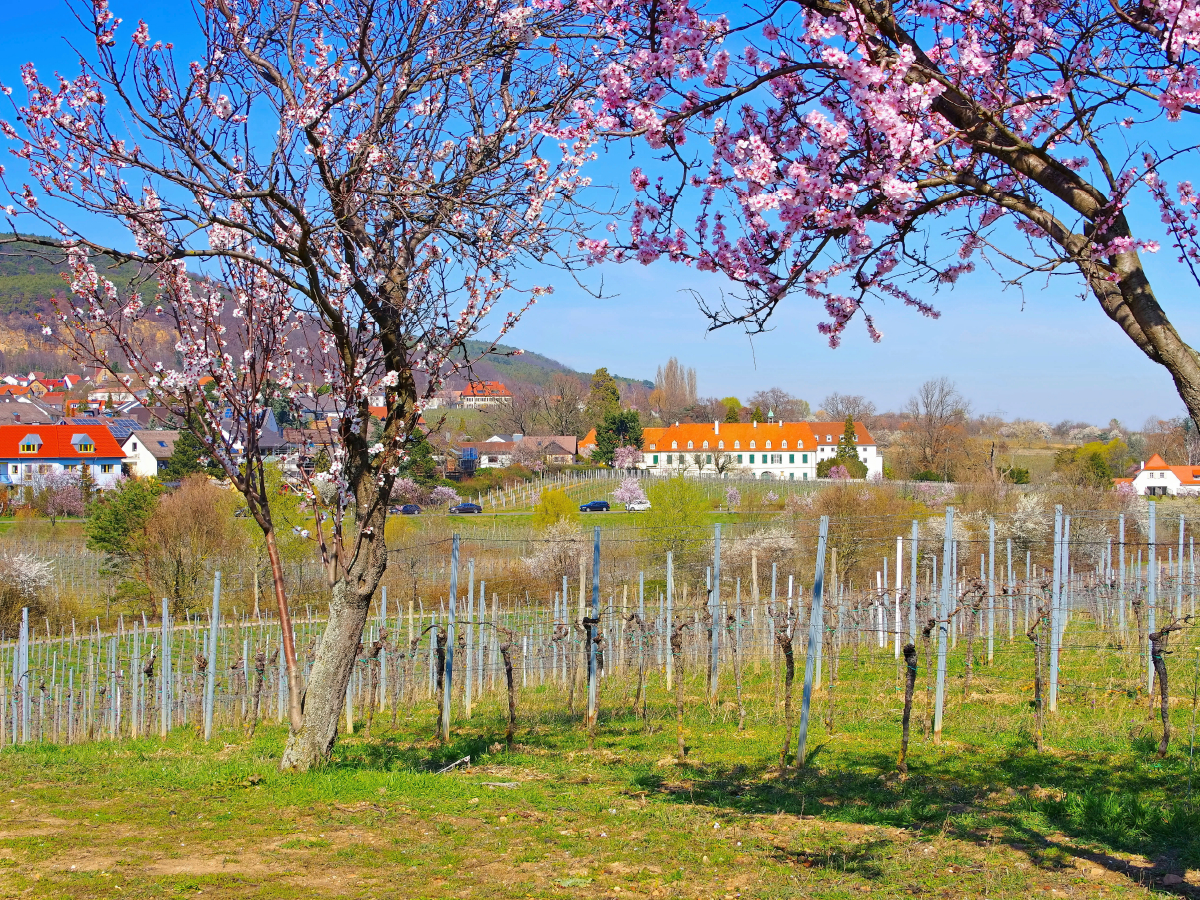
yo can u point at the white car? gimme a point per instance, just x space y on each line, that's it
637 506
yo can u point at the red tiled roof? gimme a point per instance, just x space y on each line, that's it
56 442
733 435
831 432
486 389
1156 462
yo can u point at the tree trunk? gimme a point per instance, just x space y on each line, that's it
677 654
506 650
295 704
789 675
349 607
1158 647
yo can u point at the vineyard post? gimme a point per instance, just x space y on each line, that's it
592 622
912 584
210 673
943 626
899 588
468 661
991 607
669 625
383 685
1121 573
715 605
1012 592
1152 597
448 680
814 641
1179 571
1055 608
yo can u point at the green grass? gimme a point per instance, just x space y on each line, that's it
981 815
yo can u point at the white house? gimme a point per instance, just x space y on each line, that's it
784 451
147 452
1156 478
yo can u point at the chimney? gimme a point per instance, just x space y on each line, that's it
754 424
716 427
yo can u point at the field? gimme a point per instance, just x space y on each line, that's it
980 815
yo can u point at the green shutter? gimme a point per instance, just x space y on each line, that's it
791 457
656 459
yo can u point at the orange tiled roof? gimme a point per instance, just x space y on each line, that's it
731 436
486 389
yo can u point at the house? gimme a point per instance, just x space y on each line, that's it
492 454
15 410
147 452
481 394
502 450
587 444
1157 479
108 388
444 400
787 451
31 452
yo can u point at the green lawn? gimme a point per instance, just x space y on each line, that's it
981 815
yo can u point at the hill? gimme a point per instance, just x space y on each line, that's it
30 276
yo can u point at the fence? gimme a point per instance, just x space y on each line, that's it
1096 590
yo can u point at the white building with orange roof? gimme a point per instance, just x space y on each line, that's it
1156 478
783 451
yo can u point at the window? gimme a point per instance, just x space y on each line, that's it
768 445
133 446
791 476
791 458
751 455
720 445
806 476
784 445
88 447
70 468
45 468
163 444
704 446
708 459
776 459
655 457
752 445
689 445
803 457
668 459
737 445
739 459
16 470
29 448
829 437
674 446
107 468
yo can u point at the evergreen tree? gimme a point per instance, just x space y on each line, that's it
846 455
117 521
186 459
622 428
604 397
420 465
757 415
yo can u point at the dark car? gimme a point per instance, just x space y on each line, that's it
410 509
595 506
466 508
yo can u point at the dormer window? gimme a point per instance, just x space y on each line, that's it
784 445
31 443
704 446
829 437
737 445
752 445
689 445
720 445
674 445
84 444
768 445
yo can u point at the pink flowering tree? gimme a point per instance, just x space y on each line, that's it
406 490
630 490
443 496
626 457
845 151
59 495
839 473
733 497
378 172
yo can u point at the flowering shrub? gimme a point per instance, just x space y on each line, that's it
443 496
23 578
733 498
630 490
626 457
405 490
839 473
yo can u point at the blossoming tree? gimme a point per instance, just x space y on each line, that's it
378 171
849 149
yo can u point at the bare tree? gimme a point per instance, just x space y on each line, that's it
674 389
519 416
936 414
561 405
786 407
839 407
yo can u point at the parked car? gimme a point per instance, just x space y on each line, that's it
637 506
410 509
464 508
595 506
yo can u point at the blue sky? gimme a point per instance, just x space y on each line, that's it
1043 354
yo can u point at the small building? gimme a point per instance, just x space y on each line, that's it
1157 479
481 394
31 452
147 452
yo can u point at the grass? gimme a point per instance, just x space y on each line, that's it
981 815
